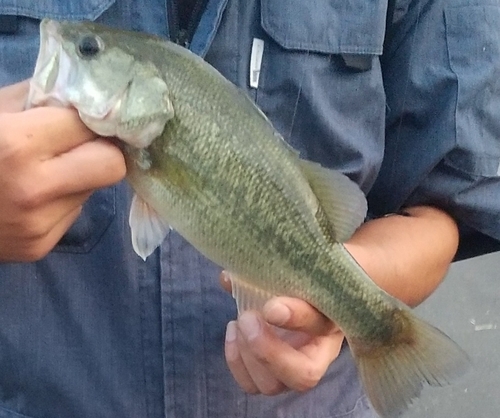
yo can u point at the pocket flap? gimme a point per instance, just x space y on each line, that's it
326 26
75 10
472 32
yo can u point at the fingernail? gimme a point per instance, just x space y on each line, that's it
231 332
277 313
224 275
231 348
249 325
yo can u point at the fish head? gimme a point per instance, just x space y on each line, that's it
100 72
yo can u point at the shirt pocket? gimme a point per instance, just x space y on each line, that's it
473 34
19 36
61 10
322 33
321 39
326 26
320 81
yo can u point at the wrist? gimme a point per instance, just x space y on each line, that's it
407 256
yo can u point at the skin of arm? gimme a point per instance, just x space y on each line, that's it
408 256
50 163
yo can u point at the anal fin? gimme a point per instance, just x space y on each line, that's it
247 296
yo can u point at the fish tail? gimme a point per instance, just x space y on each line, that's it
394 373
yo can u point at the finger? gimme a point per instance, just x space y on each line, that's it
328 346
296 314
13 97
235 362
250 375
294 368
51 130
260 373
225 281
58 231
35 222
90 166
289 313
56 212
30 249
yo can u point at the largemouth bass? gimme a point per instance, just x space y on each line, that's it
205 161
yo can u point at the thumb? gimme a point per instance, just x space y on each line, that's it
298 315
51 131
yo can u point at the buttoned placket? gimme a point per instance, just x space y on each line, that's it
180 268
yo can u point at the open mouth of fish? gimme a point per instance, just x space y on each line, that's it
64 77
57 82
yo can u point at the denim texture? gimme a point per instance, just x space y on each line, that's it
93 331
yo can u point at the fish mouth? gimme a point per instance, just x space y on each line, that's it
63 78
55 80
47 69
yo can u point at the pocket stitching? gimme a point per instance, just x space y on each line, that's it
335 43
481 163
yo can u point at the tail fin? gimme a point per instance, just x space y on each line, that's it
394 375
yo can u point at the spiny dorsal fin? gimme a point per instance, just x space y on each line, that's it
342 201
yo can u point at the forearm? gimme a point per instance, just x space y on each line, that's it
408 256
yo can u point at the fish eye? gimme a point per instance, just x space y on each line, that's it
89 46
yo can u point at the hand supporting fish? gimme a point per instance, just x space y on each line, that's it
204 160
288 346
403 239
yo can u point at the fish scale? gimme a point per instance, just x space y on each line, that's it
204 160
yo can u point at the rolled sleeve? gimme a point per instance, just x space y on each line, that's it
442 72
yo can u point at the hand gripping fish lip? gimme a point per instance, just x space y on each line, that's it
51 77
125 98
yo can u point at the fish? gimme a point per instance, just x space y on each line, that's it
204 160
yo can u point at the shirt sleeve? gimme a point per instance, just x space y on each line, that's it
441 75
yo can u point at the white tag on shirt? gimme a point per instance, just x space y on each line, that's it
256 62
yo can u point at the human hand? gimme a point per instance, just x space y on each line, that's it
270 360
50 163
13 97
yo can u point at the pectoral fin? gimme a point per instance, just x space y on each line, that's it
342 201
147 228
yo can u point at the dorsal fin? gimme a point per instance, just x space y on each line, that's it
342 201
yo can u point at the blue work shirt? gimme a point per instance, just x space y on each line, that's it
93 331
